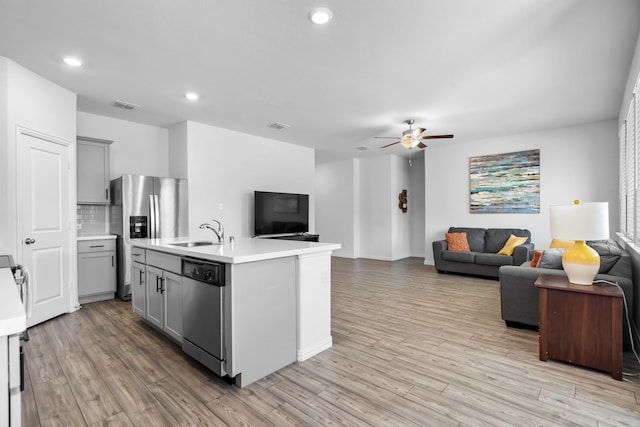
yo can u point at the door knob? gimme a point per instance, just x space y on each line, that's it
29 241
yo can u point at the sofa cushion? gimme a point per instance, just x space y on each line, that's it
493 259
495 238
551 258
511 243
622 268
457 242
475 237
459 256
609 252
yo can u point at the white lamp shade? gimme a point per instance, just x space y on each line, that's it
584 221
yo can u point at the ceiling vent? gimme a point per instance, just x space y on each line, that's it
279 126
125 105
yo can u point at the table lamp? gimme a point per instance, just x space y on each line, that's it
580 222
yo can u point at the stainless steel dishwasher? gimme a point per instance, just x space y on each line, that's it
203 312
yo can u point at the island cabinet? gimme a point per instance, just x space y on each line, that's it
260 318
93 170
13 321
139 288
164 292
273 309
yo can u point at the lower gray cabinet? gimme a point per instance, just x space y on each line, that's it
172 305
96 270
139 288
154 296
157 292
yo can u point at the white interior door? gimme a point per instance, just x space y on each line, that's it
44 223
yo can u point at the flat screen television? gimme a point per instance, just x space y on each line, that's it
280 213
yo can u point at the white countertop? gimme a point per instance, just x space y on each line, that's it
108 236
13 319
242 250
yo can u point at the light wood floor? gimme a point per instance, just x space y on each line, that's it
411 347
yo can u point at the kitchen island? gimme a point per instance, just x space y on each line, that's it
13 321
274 300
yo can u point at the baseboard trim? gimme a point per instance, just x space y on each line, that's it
309 352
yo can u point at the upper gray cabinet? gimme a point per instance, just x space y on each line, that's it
92 160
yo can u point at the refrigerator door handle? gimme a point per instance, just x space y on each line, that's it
152 214
156 222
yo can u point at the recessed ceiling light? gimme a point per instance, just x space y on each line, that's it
320 15
74 62
191 96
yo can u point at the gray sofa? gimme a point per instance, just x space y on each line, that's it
519 296
483 259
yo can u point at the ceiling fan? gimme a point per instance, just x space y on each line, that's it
411 138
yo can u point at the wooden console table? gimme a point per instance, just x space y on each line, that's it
581 324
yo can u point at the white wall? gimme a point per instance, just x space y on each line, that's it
225 168
579 162
417 205
400 222
375 217
337 205
137 148
30 102
357 206
7 168
178 139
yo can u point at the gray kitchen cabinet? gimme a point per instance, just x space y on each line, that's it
154 296
164 293
172 305
92 160
96 270
139 288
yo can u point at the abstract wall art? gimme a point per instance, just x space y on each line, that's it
505 183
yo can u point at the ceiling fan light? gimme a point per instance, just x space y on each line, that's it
410 143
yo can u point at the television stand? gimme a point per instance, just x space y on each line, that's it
304 237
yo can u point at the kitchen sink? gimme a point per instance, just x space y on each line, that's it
193 244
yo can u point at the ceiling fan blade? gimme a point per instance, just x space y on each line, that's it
389 145
421 145
436 136
386 137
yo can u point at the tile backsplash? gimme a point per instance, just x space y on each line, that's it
92 220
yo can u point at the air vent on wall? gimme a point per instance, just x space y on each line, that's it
279 126
125 105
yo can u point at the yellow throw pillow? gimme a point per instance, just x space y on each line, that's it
512 242
562 244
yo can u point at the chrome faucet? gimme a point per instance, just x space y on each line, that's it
219 232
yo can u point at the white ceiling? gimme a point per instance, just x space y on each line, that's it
475 68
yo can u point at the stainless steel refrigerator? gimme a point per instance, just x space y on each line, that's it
145 207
